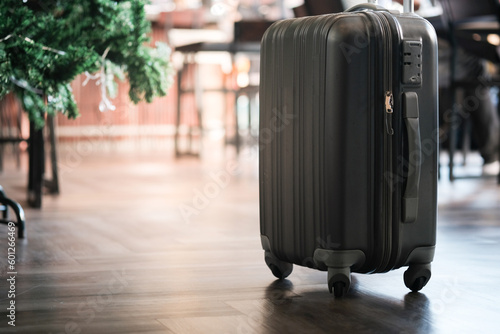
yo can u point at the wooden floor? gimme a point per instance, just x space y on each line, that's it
145 243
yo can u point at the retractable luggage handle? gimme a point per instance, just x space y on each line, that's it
411 119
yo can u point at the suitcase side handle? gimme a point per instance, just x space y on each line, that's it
411 119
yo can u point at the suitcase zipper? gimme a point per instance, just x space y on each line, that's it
388 99
389 105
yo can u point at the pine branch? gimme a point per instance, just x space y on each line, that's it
57 40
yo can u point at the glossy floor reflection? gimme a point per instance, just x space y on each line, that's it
148 244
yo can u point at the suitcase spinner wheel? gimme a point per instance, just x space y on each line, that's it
280 269
339 281
417 276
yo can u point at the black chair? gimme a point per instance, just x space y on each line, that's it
10 134
5 204
469 25
247 32
247 36
318 7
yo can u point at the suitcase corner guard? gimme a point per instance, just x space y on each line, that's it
280 269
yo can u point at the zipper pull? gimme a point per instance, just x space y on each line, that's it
389 104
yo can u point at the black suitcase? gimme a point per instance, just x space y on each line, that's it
349 145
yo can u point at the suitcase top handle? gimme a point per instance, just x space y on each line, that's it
364 6
408 6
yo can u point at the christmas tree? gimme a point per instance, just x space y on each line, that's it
44 45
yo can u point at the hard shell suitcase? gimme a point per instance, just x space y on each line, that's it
349 144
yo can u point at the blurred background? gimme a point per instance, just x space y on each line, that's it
214 98
168 191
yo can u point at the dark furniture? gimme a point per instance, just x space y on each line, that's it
5 204
247 35
36 141
318 7
469 25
